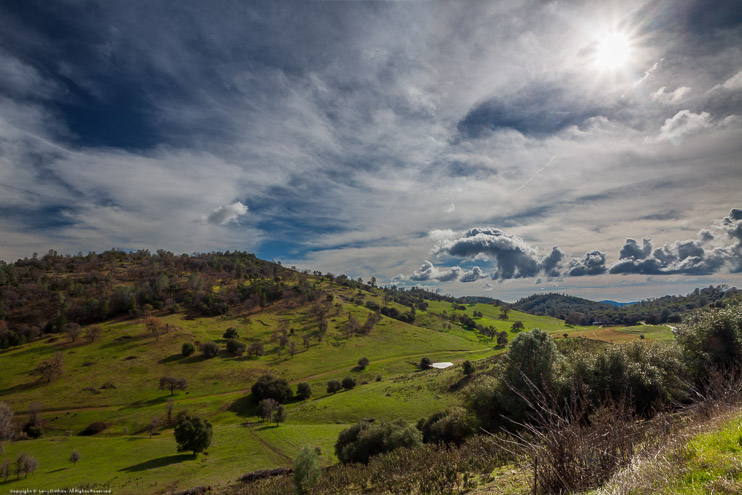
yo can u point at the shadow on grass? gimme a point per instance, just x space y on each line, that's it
159 462
19 388
270 426
244 406
150 402
170 359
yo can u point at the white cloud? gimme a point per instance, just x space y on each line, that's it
670 97
227 213
682 123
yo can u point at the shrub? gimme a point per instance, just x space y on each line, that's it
425 363
209 349
452 426
187 349
468 368
303 391
349 382
94 428
334 386
235 347
33 431
364 439
363 363
272 387
231 333
307 470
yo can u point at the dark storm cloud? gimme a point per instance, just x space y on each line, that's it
632 250
593 263
538 109
551 264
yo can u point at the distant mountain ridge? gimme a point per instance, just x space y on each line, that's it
615 303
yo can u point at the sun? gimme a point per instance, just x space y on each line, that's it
613 51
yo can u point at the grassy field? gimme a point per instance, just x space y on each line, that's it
130 361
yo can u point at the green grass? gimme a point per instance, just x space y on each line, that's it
713 460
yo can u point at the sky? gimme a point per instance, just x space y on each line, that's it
497 148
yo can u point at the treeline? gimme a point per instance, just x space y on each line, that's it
667 309
43 294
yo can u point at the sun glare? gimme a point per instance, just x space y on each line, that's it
613 51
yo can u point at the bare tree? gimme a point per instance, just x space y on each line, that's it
292 348
74 457
155 327
93 332
169 405
7 428
266 407
34 410
172 384
153 425
51 368
305 339
72 330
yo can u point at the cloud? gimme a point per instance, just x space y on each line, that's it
428 271
551 264
473 275
593 263
227 213
632 250
670 97
682 123
733 83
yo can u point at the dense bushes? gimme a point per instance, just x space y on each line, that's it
365 439
450 427
269 386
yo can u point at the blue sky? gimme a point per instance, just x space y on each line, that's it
493 148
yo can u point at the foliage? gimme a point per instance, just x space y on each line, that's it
307 471
334 386
230 333
193 434
279 414
75 457
235 347
209 349
187 349
712 338
365 439
450 427
363 363
51 368
425 363
269 386
303 391
266 408
468 368
349 382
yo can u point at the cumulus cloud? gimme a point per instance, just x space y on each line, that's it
687 257
428 271
734 82
670 97
227 213
473 275
682 123
593 263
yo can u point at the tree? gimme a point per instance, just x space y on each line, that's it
269 386
502 339
192 433
266 408
51 368
305 339
93 333
75 456
307 470
153 425
333 386
517 326
72 330
255 348
230 333
279 414
235 347
7 428
425 363
209 349
25 464
504 310
349 382
363 363
468 368
303 391
155 327
187 349
5 469
452 426
292 348
172 384
169 405
364 439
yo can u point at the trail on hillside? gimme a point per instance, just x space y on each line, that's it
266 444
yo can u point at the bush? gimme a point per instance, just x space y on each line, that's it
235 347
468 368
307 471
209 349
363 363
712 338
271 387
334 386
187 349
231 333
425 363
349 382
450 427
94 428
364 439
303 391
33 431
